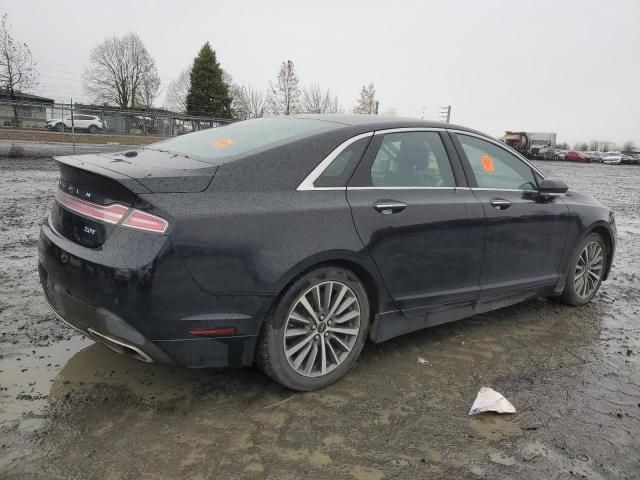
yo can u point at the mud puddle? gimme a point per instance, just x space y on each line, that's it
27 375
34 377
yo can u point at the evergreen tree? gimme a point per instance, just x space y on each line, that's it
208 94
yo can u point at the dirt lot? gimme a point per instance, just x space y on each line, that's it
67 137
72 409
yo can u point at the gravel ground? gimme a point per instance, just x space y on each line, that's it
73 409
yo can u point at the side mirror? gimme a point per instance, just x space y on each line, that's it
552 187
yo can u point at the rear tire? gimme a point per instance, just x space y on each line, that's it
585 271
316 331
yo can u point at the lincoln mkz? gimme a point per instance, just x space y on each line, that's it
289 242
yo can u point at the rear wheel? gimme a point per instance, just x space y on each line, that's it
587 268
316 331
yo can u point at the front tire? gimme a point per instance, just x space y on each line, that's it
317 330
60 127
585 273
93 129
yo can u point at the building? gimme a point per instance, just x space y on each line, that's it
32 109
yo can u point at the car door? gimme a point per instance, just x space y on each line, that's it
85 121
423 232
77 121
525 234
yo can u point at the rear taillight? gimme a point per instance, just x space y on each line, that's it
146 221
108 214
113 214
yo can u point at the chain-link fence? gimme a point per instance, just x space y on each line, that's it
38 115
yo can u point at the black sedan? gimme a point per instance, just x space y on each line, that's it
288 242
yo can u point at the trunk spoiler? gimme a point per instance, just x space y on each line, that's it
149 171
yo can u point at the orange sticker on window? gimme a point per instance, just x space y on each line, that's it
487 163
224 142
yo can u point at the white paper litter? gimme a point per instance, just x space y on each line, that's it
488 400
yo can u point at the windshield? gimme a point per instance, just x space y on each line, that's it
224 143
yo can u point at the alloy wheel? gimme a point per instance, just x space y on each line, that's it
588 270
322 328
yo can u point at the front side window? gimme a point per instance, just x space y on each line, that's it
494 167
412 159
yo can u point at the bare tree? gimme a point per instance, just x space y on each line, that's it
628 146
581 146
316 100
593 145
118 68
248 102
17 70
284 98
149 89
367 103
227 77
177 91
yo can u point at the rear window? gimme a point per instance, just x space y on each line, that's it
250 136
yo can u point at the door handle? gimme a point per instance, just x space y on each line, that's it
387 207
500 203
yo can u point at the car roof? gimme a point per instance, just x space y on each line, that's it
377 122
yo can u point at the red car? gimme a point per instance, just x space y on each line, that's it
577 157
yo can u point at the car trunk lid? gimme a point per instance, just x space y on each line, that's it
95 191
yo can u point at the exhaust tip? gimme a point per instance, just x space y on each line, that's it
120 346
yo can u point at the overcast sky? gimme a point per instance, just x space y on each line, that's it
568 66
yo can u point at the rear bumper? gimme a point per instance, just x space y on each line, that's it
146 312
100 325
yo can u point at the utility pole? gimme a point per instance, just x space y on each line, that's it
73 129
445 114
377 106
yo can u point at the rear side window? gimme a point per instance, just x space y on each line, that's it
338 172
221 144
412 159
494 167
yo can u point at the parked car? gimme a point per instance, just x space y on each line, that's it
90 123
612 158
577 157
559 154
597 156
630 158
290 241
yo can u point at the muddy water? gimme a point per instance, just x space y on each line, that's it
80 411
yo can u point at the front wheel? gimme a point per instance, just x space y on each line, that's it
93 129
316 331
60 127
585 274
